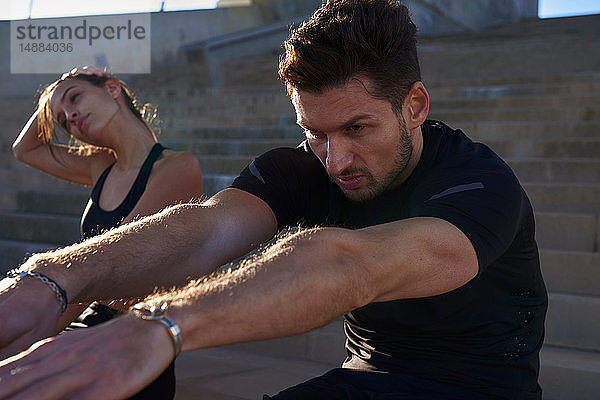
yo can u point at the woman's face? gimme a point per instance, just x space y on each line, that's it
85 110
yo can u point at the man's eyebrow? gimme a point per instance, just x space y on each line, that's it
355 119
343 125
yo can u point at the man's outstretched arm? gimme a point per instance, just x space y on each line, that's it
304 281
162 250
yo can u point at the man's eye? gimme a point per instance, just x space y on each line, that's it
74 96
355 128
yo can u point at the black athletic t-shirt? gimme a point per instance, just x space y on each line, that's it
481 340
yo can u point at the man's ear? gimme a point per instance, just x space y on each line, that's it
416 106
113 88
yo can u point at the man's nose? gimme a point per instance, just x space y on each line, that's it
339 156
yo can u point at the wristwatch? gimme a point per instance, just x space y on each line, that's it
159 314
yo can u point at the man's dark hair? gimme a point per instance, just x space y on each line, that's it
347 39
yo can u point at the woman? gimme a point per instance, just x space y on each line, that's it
132 175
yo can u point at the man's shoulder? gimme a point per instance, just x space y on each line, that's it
299 159
454 150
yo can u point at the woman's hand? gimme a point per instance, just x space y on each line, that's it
86 70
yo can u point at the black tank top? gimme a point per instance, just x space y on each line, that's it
96 220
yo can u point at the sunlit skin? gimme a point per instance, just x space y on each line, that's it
86 110
363 144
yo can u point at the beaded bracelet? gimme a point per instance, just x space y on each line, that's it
60 294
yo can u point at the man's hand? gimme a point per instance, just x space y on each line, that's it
29 311
110 361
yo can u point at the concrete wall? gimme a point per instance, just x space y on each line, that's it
431 16
469 14
285 9
169 31
172 30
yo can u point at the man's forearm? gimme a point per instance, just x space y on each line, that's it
131 260
312 277
281 292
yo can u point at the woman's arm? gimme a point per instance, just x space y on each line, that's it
176 178
61 161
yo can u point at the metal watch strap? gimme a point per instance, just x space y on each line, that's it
158 314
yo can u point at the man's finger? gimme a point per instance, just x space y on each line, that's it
50 386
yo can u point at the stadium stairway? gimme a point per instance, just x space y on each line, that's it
546 126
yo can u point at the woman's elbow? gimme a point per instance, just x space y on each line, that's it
18 151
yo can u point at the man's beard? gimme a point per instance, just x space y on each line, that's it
375 187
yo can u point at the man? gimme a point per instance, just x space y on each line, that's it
424 241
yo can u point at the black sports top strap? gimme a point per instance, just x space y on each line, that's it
95 219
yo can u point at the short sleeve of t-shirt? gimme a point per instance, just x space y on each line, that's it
486 207
290 181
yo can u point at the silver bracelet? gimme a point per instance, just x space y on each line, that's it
159 314
60 294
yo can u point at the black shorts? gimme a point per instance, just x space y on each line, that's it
348 384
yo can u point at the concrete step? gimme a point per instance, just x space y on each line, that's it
560 113
24 176
564 197
228 165
552 148
550 86
13 253
502 56
572 321
209 121
234 133
240 147
579 170
48 201
571 272
498 97
569 374
496 130
325 345
213 183
39 228
209 104
225 373
573 232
